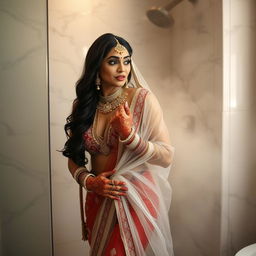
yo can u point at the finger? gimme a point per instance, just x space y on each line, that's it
112 196
117 113
122 110
107 174
127 109
116 193
116 188
119 183
120 107
113 118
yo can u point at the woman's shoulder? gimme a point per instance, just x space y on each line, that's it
135 92
132 91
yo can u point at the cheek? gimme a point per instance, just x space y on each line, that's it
106 73
128 69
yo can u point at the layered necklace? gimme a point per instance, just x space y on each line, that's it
109 103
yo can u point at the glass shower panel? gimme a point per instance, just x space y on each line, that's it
24 154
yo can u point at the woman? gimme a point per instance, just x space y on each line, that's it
120 125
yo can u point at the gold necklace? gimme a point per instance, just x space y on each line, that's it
109 103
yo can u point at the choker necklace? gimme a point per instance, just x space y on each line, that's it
109 103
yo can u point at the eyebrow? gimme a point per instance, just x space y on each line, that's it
116 57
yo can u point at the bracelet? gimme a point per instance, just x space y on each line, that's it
129 137
78 171
135 142
85 179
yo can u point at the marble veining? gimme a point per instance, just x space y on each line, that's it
33 26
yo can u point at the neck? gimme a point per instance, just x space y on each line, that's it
111 97
109 91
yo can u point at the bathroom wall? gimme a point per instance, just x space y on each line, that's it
183 66
24 154
194 80
239 113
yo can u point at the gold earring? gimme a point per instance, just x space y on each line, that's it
98 82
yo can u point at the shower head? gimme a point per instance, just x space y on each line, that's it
161 17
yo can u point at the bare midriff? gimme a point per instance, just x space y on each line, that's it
102 163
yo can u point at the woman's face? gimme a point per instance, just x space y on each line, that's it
115 69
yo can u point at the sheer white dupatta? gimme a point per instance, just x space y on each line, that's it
143 214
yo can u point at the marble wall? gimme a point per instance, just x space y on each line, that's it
239 123
183 66
24 154
211 122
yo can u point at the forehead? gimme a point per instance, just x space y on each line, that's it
112 52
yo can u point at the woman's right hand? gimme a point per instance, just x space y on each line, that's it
106 187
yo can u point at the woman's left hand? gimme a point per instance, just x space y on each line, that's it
122 121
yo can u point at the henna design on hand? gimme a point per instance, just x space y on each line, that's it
122 121
109 188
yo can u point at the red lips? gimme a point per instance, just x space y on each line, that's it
120 78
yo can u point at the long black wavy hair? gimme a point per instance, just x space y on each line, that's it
87 97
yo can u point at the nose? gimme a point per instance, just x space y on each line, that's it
120 67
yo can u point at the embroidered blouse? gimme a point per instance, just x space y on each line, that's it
100 145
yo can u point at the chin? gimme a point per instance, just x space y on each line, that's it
119 84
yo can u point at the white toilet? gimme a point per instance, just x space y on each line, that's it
247 251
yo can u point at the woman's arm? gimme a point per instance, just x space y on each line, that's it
152 137
72 166
156 130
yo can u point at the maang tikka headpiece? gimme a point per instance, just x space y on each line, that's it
119 48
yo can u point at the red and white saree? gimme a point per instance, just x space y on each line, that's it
138 224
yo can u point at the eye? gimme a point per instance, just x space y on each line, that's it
127 62
112 62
